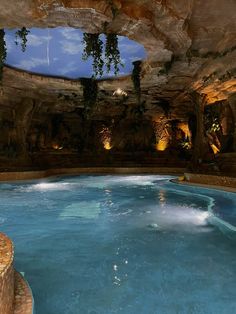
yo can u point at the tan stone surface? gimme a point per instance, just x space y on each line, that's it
23 297
28 175
199 35
211 180
6 275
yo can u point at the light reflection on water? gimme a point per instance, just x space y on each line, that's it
121 244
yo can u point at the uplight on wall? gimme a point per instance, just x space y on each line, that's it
162 145
106 138
215 149
57 146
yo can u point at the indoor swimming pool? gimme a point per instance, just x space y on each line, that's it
132 244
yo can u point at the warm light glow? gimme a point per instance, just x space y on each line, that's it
184 127
57 146
107 145
106 138
119 92
215 149
162 145
162 135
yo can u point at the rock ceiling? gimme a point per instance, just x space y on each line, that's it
191 46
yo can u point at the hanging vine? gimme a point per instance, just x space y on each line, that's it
90 92
114 8
3 51
93 47
112 53
136 74
22 35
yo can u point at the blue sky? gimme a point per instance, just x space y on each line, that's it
58 51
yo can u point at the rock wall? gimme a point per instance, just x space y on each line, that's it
190 48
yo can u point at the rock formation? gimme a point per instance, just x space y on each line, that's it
191 49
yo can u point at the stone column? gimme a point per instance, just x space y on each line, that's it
200 143
22 118
232 103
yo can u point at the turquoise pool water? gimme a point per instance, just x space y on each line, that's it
123 244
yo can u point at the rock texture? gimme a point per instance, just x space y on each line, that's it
197 38
190 44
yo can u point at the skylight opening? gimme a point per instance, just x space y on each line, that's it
63 52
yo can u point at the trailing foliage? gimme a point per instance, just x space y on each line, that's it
212 119
114 9
93 47
136 79
90 92
3 51
112 53
22 35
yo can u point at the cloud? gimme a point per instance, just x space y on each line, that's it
71 34
35 41
71 48
68 68
132 59
31 63
130 48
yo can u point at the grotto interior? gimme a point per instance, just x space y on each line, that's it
176 108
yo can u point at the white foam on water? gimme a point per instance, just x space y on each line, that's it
211 218
180 217
49 186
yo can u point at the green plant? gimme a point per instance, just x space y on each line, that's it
136 78
22 34
3 51
114 8
186 144
212 119
93 47
90 92
112 53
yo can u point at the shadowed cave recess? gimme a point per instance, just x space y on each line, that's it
175 106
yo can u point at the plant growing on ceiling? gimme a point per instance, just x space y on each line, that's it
93 47
112 53
22 35
90 92
3 51
114 8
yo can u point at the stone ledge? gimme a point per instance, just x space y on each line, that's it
23 303
28 175
6 254
6 275
211 180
